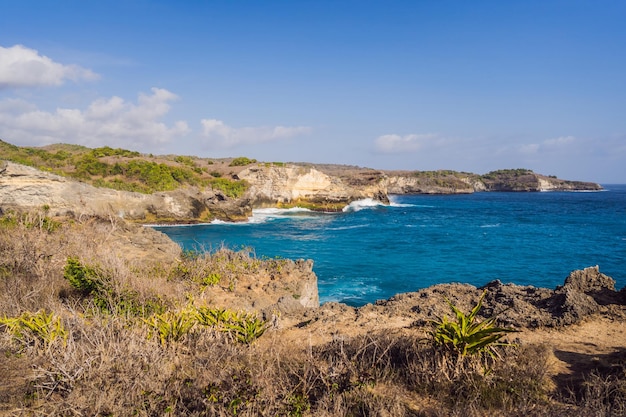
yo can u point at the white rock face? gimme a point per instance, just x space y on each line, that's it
24 187
287 184
546 185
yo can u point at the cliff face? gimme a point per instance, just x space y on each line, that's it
451 182
305 186
23 187
525 180
409 183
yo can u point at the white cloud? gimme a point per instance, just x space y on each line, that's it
561 140
111 121
549 145
220 135
530 148
25 67
409 143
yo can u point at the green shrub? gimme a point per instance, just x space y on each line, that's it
96 284
185 160
211 279
108 151
82 277
241 161
231 188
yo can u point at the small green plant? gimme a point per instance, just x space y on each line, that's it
82 277
298 405
171 326
39 326
243 327
211 279
213 317
247 328
466 335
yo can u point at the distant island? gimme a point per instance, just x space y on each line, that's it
188 189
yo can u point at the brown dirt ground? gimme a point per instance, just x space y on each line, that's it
598 344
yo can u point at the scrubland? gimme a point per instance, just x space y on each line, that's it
87 331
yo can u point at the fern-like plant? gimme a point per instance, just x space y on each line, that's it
466 335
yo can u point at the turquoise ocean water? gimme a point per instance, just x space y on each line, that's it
370 251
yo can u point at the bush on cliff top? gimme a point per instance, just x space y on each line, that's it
242 161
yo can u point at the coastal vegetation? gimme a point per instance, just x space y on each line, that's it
125 170
85 331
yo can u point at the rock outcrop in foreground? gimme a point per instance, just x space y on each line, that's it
585 293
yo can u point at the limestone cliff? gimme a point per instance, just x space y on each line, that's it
305 186
527 180
452 182
23 187
432 183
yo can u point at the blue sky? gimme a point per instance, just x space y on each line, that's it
420 85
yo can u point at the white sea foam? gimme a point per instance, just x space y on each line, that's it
356 226
490 225
176 224
354 293
394 203
362 204
266 214
280 211
223 222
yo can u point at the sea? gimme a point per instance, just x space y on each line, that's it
371 251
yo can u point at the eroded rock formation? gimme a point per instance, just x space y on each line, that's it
293 185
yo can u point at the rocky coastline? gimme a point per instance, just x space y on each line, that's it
326 187
318 187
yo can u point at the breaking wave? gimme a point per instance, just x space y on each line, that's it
366 203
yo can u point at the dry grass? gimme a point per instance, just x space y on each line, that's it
109 366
